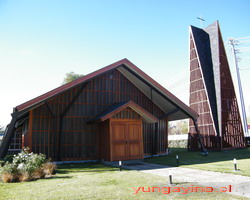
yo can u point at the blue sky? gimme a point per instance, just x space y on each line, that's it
40 41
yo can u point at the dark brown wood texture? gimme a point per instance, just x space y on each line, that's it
127 113
198 101
60 131
41 132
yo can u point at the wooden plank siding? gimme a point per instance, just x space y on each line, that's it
78 140
199 102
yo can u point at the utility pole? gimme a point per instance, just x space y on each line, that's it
233 42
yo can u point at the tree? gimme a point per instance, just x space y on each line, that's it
178 127
71 76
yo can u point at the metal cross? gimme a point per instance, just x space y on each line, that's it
201 20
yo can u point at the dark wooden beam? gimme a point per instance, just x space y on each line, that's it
156 138
73 100
9 135
219 140
171 112
30 129
199 135
166 139
155 134
49 109
54 128
152 142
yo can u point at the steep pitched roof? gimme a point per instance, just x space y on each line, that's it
159 95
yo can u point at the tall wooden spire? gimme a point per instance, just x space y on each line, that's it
212 92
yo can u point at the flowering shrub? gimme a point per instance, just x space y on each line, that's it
24 167
28 162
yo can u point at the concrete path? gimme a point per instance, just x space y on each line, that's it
240 184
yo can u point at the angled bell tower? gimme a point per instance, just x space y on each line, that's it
212 93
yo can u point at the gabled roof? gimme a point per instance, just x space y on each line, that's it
153 90
117 107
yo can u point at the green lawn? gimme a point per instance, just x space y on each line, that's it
220 161
95 181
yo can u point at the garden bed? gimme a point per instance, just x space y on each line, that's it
25 166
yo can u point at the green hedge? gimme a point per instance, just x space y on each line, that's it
177 143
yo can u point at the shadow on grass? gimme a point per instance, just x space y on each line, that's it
194 157
83 170
85 167
59 177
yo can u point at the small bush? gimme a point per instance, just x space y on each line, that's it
23 177
27 163
177 143
7 177
8 172
38 173
49 168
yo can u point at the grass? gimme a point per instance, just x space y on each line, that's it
96 181
219 161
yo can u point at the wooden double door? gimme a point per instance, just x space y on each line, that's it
126 139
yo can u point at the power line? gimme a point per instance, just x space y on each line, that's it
243 38
245 68
177 78
233 43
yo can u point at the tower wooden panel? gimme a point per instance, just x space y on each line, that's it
232 130
199 102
